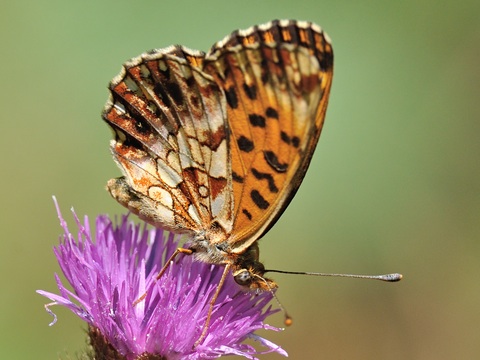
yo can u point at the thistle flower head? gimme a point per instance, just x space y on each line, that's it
113 266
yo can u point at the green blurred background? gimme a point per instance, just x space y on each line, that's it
393 186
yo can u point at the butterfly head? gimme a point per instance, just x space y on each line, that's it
253 279
248 270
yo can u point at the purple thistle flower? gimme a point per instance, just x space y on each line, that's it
113 271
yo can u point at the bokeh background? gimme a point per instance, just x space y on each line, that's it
393 186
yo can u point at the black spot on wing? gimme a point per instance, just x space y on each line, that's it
161 93
245 144
247 214
236 177
128 141
285 138
232 98
265 176
250 90
271 113
259 200
257 120
190 81
175 92
195 101
142 126
272 160
265 71
296 141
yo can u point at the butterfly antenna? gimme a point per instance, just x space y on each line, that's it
386 277
288 319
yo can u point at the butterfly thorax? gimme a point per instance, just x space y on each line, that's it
247 270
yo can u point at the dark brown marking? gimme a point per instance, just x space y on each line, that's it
285 138
216 186
272 160
214 139
128 142
141 127
226 73
165 72
326 62
192 177
231 96
141 124
310 83
257 120
259 200
245 144
160 91
209 89
190 81
272 113
250 90
195 101
247 214
296 141
265 176
175 92
265 73
265 77
236 177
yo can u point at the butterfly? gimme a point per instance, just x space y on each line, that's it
216 144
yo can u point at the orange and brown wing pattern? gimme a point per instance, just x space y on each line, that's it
219 143
171 142
276 78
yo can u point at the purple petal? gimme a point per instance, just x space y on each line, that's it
111 269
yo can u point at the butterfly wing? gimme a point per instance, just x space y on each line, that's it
223 140
169 121
276 79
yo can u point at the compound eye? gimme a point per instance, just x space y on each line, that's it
243 277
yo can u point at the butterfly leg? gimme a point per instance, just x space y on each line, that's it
169 261
165 267
211 305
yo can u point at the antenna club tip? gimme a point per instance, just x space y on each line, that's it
394 277
288 320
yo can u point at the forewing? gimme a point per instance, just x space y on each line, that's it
171 136
276 79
